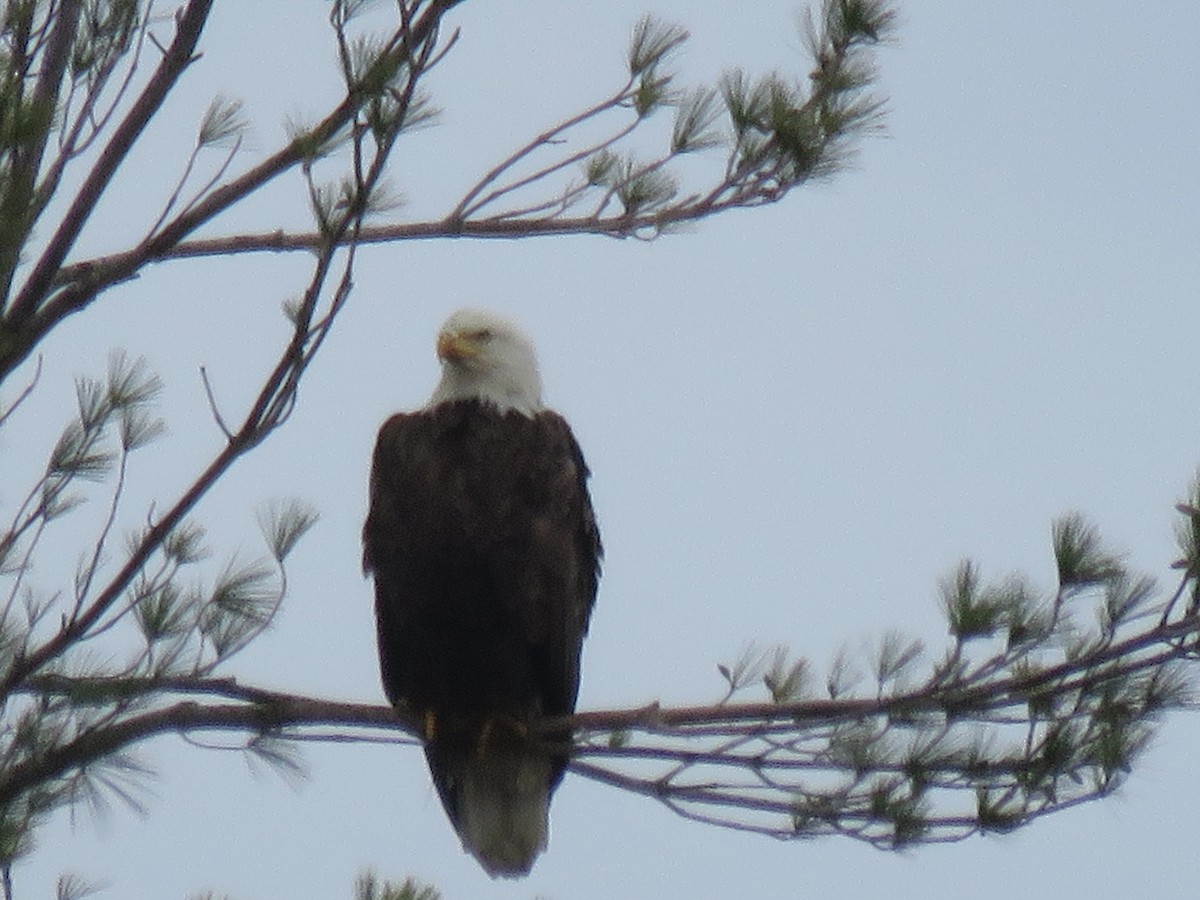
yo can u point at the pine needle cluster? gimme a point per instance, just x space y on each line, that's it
1035 707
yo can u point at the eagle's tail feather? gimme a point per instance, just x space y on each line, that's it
497 795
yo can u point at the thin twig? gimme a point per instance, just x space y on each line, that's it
212 405
23 395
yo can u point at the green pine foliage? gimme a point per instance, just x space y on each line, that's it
1035 706
369 887
764 136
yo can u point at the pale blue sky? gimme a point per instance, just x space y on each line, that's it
799 418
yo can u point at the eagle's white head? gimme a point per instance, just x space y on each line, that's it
486 357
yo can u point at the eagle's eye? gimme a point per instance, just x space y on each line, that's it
484 334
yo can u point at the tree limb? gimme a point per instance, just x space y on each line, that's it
181 54
33 315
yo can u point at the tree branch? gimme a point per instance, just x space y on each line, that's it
34 316
256 718
189 24
21 177
790 769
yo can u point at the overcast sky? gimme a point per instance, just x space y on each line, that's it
799 418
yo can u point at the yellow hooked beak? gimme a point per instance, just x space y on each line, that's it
452 347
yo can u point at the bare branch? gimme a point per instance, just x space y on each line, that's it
212 405
24 393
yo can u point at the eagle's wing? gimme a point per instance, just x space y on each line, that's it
471 506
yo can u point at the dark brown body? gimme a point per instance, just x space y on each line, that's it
485 554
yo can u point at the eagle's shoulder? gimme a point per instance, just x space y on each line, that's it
484 464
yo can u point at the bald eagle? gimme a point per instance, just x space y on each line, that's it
486 556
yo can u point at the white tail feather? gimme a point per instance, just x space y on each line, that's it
504 808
